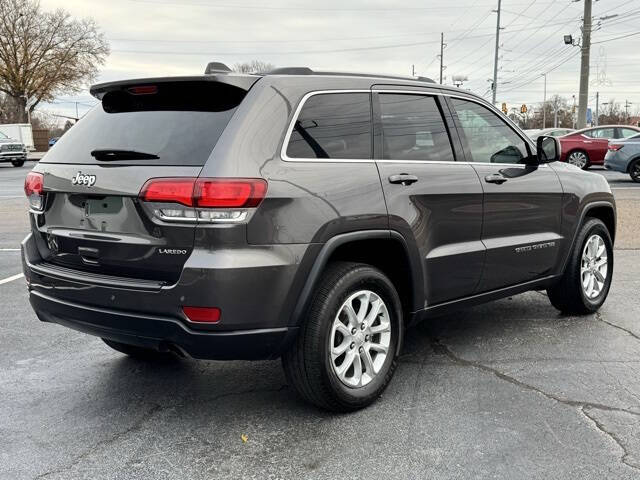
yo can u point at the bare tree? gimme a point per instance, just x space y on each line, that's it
45 54
254 66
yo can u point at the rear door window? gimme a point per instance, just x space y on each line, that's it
179 123
333 126
603 133
413 128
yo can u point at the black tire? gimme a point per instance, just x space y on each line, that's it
17 163
568 295
307 364
140 353
634 170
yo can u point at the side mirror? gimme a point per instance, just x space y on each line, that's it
549 149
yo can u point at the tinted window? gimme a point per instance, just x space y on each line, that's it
413 128
627 132
489 138
181 124
333 125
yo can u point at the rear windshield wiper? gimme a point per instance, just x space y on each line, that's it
106 155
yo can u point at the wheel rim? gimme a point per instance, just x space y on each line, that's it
594 267
635 171
578 159
360 339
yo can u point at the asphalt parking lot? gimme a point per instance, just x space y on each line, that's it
506 390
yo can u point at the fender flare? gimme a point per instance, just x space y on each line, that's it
583 215
417 294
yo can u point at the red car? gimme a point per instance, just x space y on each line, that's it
589 146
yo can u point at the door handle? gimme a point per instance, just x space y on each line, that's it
403 178
495 178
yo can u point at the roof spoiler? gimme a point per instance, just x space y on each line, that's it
244 82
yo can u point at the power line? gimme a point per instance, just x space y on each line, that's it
575 53
615 38
309 9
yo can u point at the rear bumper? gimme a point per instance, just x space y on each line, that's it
255 288
163 333
616 164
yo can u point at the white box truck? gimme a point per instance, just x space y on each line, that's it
21 132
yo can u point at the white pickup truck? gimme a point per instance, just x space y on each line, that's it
12 151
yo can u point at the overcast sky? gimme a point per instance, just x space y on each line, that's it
172 37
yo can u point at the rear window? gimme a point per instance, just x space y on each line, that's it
180 123
333 125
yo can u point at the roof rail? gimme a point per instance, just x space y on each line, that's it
291 71
216 67
308 71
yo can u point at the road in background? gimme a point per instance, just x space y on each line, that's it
510 389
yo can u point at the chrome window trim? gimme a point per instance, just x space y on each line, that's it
285 143
303 100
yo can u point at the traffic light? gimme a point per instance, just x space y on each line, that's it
523 108
504 108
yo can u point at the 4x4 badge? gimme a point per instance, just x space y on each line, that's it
83 179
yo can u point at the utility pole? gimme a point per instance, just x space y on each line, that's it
544 103
441 55
597 109
495 64
627 104
584 66
573 114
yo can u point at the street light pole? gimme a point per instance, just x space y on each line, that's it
441 56
584 66
597 108
544 103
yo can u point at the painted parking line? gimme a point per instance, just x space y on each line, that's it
9 249
11 278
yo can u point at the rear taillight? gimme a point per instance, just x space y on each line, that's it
169 190
207 199
240 193
33 188
202 314
614 147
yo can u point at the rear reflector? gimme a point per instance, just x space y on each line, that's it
206 192
33 187
202 314
614 147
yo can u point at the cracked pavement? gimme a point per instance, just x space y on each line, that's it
506 390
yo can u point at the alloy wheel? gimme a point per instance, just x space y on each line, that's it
594 267
578 159
635 171
360 339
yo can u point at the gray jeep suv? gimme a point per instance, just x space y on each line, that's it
303 215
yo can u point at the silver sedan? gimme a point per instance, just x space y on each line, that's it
623 156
